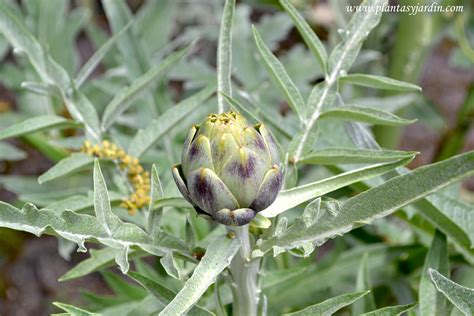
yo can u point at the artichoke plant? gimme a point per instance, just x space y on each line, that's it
229 170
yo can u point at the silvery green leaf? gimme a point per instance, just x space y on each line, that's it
154 213
190 234
156 188
224 54
309 37
18 35
281 226
322 96
278 73
67 166
172 201
260 222
99 259
95 59
358 29
36 124
65 248
276 251
106 228
49 197
461 297
168 263
330 306
365 115
40 88
51 72
391 103
78 202
290 179
342 57
290 198
300 286
440 215
134 56
74 311
80 228
391 310
219 304
379 201
431 301
378 82
109 221
458 211
84 111
156 15
125 97
340 60
304 249
315 211
218 256
336 155
163 294
10 152
58 26
363 283
102 208
361 136
310 213
301 144
147 306
439 219
29 184
145 138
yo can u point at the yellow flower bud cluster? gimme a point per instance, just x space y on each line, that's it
136 175
5 106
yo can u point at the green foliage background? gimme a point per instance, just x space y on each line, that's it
334 95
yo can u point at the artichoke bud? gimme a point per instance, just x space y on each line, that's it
229 170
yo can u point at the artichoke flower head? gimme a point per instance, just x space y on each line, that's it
229 170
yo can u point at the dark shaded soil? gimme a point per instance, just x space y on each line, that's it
31 280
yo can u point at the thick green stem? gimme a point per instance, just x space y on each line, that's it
244 271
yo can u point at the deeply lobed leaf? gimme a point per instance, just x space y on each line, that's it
80 228
290 198
379 201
